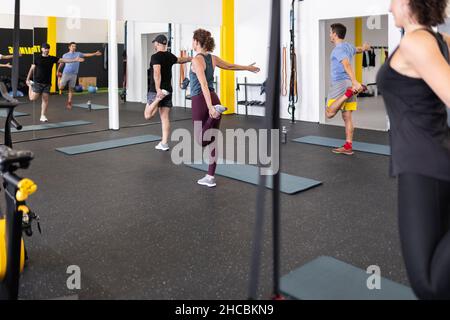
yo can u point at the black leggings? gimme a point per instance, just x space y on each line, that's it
424 212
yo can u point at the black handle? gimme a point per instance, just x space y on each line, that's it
16 124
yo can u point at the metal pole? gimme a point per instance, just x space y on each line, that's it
16 48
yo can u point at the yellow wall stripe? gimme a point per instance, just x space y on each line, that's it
51 40
358 43
227 78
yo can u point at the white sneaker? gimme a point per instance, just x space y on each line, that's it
162 147
207 181
44 118
220 109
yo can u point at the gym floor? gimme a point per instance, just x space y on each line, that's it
139 227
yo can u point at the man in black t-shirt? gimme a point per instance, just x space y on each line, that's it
41 70
160 87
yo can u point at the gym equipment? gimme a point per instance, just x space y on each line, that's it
329 279
5 94
384 150
245 102
93 106
18 218
78 88
245 173
284 91
106 145
293 87
92 89
49 126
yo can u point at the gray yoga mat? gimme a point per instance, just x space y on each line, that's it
109 144
335 143
329 279
93 106
250 174
48 126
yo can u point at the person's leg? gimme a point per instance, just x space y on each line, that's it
424 210
151 109
345 94
214 124
44 106
33 93
347 116
337 104
200 113
164 113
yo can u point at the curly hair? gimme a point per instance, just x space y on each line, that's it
205 39
429 13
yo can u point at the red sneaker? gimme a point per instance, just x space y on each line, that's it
346 149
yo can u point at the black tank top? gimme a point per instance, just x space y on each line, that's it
420 135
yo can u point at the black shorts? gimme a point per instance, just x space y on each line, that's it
165 103
41 88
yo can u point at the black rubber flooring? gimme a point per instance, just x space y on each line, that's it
139 227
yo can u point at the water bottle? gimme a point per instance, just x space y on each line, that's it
89 104
284 135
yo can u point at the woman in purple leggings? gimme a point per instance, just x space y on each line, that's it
206 107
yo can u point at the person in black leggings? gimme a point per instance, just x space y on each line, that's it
415 82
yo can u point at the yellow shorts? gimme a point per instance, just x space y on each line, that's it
348 106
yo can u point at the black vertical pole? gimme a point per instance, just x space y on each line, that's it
274 116
16 48
272 122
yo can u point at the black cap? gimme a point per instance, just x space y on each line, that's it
45 46
162 39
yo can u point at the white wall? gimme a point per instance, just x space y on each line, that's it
71 8
201 12
26 22
175 11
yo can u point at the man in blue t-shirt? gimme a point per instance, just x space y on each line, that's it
70 74
344 86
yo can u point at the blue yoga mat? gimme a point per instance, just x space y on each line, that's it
4 114
250 174
335 143
93 106
329 279
48 126
110 144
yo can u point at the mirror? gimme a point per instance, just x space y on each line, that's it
371 113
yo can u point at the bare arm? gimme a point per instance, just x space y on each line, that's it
230 66
157 77
199 67
421 52
70 60
30 73
89 55
183 60
9 57
60 68
365 47
8 65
